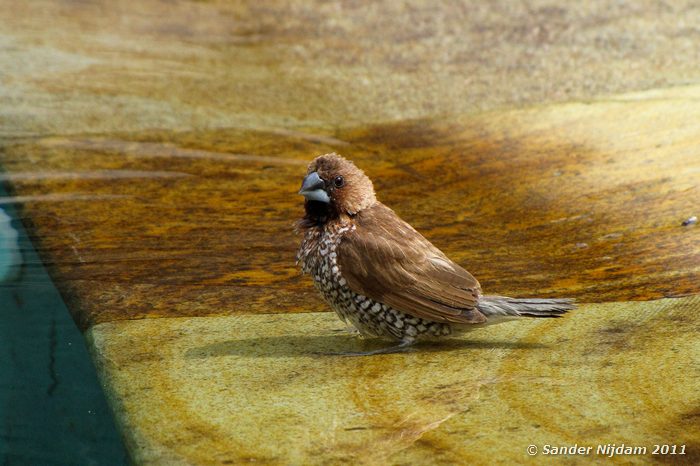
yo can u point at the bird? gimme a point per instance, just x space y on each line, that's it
382 276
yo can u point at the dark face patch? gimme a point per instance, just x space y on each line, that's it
349 189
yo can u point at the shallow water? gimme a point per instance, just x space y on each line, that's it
52 408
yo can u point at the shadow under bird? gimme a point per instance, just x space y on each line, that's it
382 276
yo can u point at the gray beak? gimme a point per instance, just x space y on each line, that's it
312 188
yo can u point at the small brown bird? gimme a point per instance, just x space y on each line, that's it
381 275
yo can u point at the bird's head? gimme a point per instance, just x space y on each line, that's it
334 186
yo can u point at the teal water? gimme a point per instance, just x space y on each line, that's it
52 409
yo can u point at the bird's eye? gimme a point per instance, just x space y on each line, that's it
339 182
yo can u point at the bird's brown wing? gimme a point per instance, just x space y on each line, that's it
385 259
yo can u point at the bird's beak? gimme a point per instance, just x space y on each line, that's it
312 188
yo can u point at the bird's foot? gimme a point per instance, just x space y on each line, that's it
404 346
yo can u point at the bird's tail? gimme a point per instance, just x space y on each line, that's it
497 307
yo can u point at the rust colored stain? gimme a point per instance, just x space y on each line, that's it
583 200
531 209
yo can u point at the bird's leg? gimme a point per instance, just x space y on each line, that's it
401 347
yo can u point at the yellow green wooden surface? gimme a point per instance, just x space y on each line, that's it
551 149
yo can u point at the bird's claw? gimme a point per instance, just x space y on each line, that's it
402 348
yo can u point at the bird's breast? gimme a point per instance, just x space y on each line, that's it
318 251
318 257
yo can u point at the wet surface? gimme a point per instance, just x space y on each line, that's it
157 155
540 202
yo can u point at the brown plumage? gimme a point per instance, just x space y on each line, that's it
381 275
